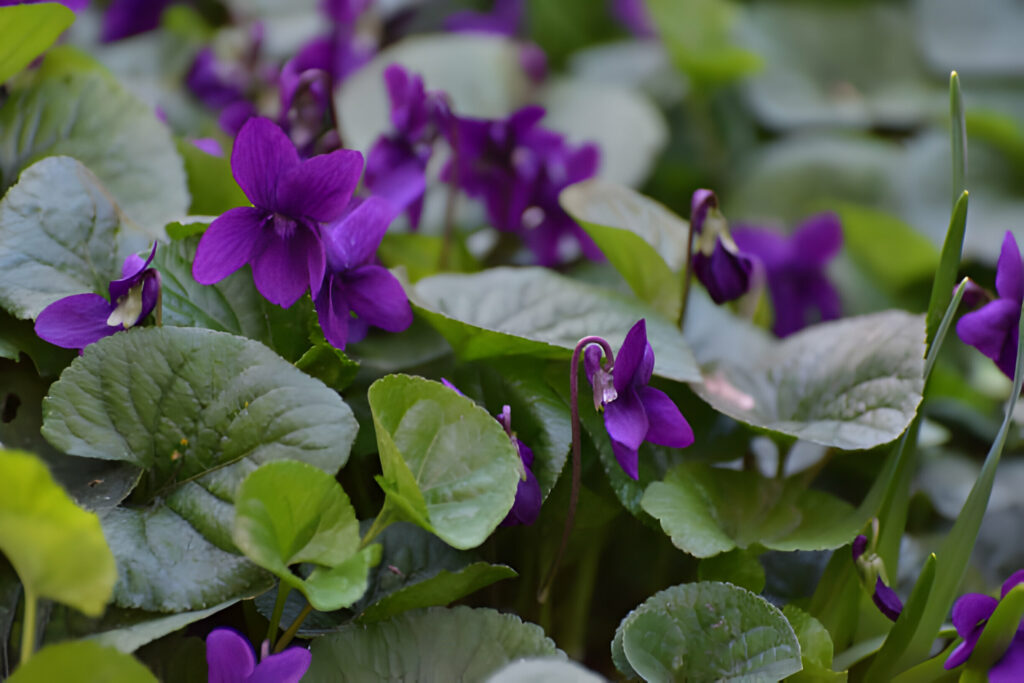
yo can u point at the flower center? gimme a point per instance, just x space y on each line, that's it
128 309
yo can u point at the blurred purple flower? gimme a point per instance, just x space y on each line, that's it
504 19
718 263
397 164
354 283
125 18
993 329
76 321
210 146
226 86
970 614
795 269
526 507
280 234
633 411
634 16
518 168
231 659
885 598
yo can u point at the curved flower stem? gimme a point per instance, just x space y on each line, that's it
577 466
283 590
293 629
687 277
28 626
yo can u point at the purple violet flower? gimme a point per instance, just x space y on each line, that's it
526 508
633 411
885 598
231 659
76 321
993 329
503 20
795 269
125 18
396 166
354 283
634 16
280 235
970 614
718 263
518 168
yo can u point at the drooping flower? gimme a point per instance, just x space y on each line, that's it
231 659
633 411
76 321
795 269
718 263
872 569
971 613
503 20
993 329
634 16
396 166
280 234
354 283
517 168
526 507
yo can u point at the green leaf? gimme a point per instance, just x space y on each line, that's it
287 513
643 240
329 365
708 510
999 632
902 634
421 254
418 646
232 305
853 383
739 567
481 74
627 127
28 30
536 312
815 648
87 115
698 37
59 235
949 264
888 250
57 548
81 662
210 182
708 631
442 589
959 137
544 670
447 465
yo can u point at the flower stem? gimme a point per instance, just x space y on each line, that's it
687 277
28 626
577 466
293 629
382 520
283 590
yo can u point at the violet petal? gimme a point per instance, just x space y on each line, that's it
625 420
970 610
333 312
229 656
75 321
320 188
378 298
285 667
1010 270
261 159
228 244
988 328
666 424
627 361
354 240
288 265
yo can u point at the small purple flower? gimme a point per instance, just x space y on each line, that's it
397 164
885 598
993 329
76 321
634 16
526 507
354 283
718 263
633 411
970 614
125 18
518 168
503 20
795 269
231 659
280 234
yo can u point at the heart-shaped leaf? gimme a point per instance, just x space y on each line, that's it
82 661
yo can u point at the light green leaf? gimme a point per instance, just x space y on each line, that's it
643 240
27 31
447 465
698 36
82 661
210 182
888 250
708 510
128 630
815 648
481 74
853 383
288 513
537 312
57 548
417 646
87 115
707 631
420 254
328 364
59 235
629 130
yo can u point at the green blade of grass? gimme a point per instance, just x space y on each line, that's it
956 115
